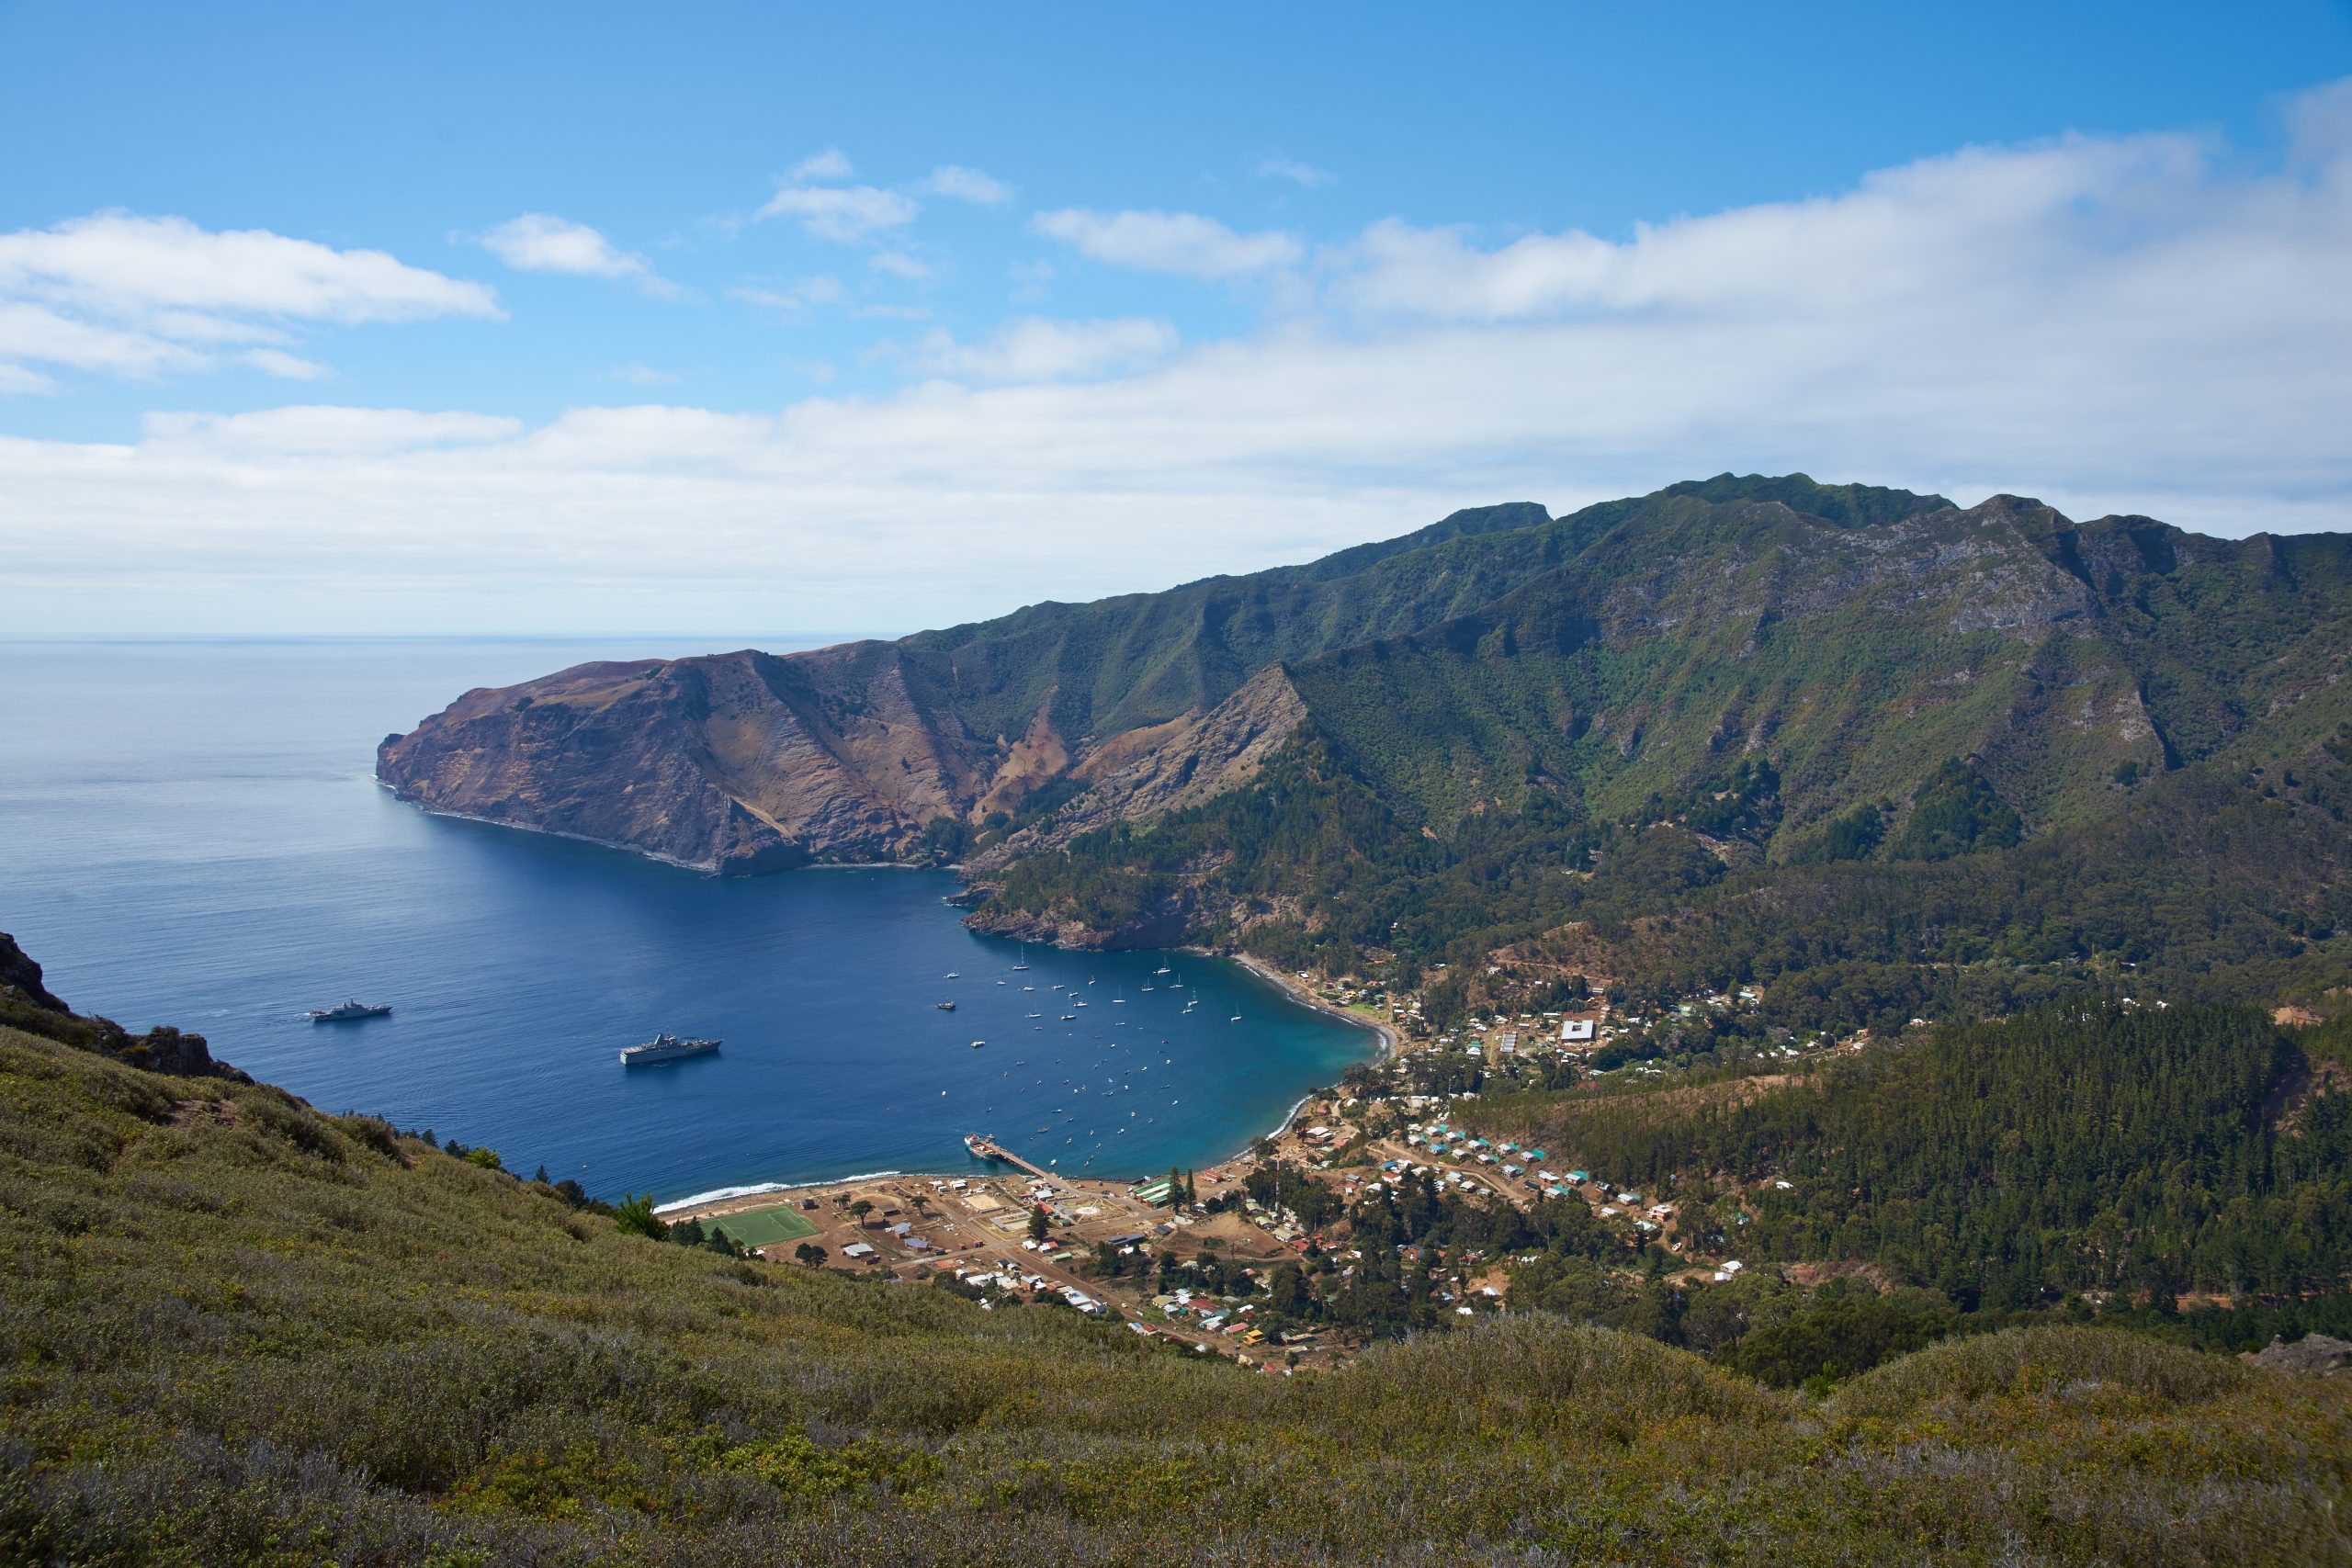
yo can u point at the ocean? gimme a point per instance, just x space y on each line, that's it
190 834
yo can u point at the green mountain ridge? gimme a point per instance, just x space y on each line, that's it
1785 672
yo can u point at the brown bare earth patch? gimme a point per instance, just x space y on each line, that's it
2284 1109
1120 749
2300 1018
1844 1268
1037 757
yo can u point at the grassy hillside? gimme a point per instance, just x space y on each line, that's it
237 1331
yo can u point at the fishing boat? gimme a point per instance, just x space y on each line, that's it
947 1007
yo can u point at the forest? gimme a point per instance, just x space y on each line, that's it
2179 1167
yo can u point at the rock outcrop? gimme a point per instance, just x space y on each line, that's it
736 763
27 1003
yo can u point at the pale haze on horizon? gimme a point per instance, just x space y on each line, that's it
565 321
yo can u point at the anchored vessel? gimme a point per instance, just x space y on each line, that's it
347 1012
664 1048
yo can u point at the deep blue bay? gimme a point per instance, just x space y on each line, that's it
189 834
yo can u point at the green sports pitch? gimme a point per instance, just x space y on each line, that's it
764 1227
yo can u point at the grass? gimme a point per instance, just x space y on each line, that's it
765 1227
235 1331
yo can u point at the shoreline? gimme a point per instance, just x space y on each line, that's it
1391 1040
704 1205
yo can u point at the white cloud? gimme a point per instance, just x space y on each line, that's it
124 295
1291 169
843 213
960 184
121 261
1181 242
899 263
831 164
539 241
324 430
287 367
2137 324
1041 350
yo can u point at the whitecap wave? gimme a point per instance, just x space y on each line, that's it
721 1194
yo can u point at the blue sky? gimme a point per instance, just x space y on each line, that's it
764 319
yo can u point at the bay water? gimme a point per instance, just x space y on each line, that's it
190 834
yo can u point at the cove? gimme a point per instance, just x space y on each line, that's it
189 834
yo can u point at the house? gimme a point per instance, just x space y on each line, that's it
1576 1031
858 1249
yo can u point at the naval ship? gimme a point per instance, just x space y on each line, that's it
663 1049
346 1012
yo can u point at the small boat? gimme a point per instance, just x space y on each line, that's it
348 1013
1161 970
947 1007
978 1044
1069 1018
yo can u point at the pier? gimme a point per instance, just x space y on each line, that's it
989 1149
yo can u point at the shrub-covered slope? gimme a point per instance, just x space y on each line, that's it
237 1331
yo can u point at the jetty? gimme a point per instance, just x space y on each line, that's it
989 1149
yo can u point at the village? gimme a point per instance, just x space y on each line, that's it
1218 1260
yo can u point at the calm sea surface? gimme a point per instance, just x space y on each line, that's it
189 834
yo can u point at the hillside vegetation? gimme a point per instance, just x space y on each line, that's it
2084 1158
238 1331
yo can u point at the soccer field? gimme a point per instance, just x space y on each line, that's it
762 1228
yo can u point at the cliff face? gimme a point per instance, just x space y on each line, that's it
737 764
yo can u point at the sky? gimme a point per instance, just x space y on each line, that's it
781 320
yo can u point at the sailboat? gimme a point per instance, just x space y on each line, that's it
1021 966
